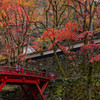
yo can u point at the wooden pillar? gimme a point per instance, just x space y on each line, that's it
2 85
33 92
42 90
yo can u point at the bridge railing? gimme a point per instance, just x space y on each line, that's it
26 72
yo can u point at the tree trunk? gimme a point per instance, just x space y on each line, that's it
89 82
59 64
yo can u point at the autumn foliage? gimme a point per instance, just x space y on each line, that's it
69 35
15 22
68 26
82 61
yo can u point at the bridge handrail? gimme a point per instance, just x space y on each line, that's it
28 72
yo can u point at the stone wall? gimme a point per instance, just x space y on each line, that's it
49 63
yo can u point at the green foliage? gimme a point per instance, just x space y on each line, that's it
41 30
74 89
98 83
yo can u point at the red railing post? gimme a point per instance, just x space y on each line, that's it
55 76
10 69
27 72
49 75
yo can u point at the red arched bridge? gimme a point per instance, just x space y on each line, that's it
12 75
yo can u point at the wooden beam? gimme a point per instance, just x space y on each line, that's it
2 84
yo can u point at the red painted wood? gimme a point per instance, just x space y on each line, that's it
33 92
43 97
11 75
44 86
2 84
26 72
